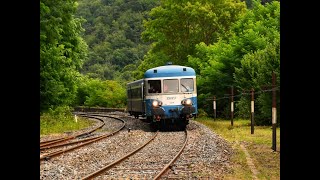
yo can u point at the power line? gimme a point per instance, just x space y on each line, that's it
227 96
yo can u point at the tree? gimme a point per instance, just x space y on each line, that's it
257 69
113 29
95 92
237 61
62 52
176 27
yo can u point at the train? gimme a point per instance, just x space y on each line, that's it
166 97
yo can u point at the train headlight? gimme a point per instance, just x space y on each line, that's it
186 102
156 103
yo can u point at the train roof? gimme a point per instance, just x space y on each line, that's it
169 71
135 82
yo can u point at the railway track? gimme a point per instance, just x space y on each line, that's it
49 143
78 143
170 155
144 156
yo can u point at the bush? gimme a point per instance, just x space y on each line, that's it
98 93
60 115
202 113
60 120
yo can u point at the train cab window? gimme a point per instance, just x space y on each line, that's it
154 86
186 85
170 85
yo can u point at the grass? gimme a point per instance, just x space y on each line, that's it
258 145
50 124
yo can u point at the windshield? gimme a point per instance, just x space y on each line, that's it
170 86
186 85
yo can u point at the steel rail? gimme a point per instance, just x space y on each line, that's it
52 154
173 160
75 142
98 172
51 142
69 143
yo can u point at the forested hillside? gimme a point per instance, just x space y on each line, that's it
90 49
113 31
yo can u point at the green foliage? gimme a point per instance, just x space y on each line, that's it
245 60
213 64
243 107
113 30
60 112
176 27
202 113
126 74
98 93
60 120
150 60
62 52
257 69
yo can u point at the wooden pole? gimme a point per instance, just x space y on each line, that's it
214 108
252 111
232 106
274 112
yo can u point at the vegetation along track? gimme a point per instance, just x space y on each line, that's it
60 142
48 143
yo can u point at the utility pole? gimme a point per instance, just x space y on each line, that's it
231 105
274 112
252 111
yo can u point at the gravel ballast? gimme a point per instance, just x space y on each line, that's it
206 155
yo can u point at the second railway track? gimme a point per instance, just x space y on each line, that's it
68 145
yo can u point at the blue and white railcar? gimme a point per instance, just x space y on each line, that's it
166 96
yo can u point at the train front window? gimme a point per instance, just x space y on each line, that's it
154 86
186 85
170 85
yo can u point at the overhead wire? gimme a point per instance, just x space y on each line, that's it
227 96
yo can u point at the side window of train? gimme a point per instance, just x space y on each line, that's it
128 92
154 86
170 85
186 85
